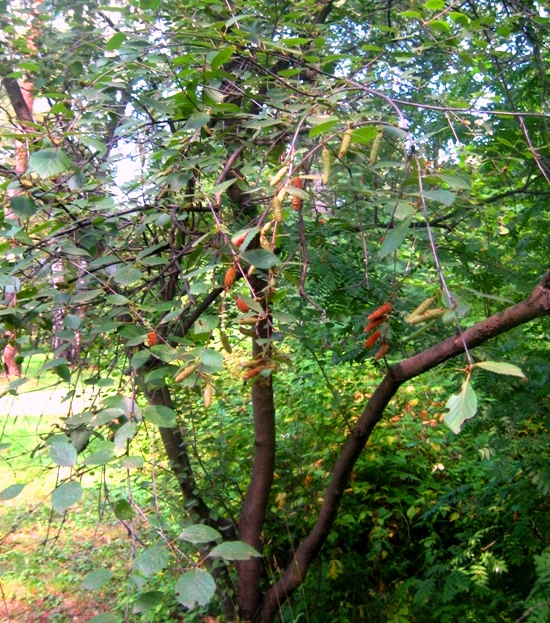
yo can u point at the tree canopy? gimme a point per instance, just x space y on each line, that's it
243 226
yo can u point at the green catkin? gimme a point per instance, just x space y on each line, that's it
278 176
375 150
431 314
346 142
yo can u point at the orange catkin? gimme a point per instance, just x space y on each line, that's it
241 305
373 339
296 201
152 338
373 324
383 350
381 312
250 374
230 277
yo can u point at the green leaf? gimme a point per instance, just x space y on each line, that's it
115 41
200 534
211 360
139 359
454 181
103 455
63 453
132 462
322 128
366 135
23 206
446 197
125 433
197 121
160 415
147 601
222 57
261 258
234 550
501 368
195 586
395 237
123 510
11 492
461 407
151 560
96 579
66 495
127 275
49 162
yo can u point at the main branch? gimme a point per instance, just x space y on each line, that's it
536 305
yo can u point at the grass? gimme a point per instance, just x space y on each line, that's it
43 555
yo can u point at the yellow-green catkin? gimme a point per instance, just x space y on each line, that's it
326 164
375 150
224 339
278 176
188 371
207 396
277 207
431 314
346 142
423 307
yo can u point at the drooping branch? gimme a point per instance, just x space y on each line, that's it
176 450
535 306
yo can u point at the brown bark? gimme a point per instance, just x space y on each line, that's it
10 365
535 306
254 506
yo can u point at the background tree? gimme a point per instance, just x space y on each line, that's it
230 191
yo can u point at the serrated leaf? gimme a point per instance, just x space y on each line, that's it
151 560
123 510
160 415
23 206
501 368
195 586
127 275
132 462
115 41
197 121
321 128
103 455
200 534
222 57
11 492
261 258
63 453
139 359
148 600
454 181
234 550
125 433
66 495
49 162
446 197
96 579
365 136
395 237
211 360
461 407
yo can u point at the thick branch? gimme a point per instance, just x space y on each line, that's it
536 305
254 506
176 449
17 99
